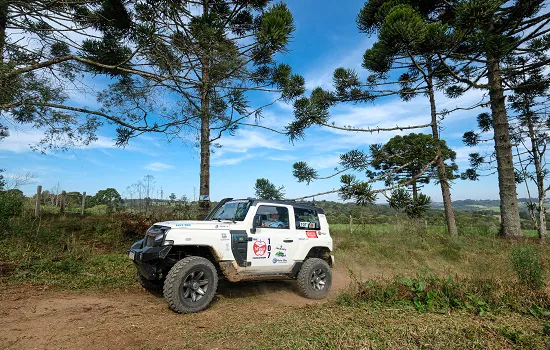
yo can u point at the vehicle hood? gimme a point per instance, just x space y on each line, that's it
196 225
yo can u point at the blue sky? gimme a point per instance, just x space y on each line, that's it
326 38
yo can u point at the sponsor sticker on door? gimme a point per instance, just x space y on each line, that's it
311 234
259 248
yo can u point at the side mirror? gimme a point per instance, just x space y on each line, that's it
256 223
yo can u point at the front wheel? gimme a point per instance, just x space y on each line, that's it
190 285
314 279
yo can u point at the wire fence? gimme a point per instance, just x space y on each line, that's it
78 203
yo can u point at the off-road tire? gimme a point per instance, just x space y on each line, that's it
306 275
174 289
150 286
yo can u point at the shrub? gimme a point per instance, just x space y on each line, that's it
527 266
133 225
11 204
444 294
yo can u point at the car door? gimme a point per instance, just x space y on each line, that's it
308 230
273 244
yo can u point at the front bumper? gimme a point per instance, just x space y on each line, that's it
148 259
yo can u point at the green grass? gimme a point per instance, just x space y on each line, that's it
388 311
52 210
448 294
331 326
67 252
78 252
409 249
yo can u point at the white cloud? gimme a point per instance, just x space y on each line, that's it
283 158
324 161
388 113
102 142
246 139
277 119
158 166
231 161
351 57
19 142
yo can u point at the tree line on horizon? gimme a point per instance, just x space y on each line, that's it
188 69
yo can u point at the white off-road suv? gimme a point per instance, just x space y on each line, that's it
241 240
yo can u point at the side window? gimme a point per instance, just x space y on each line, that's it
306 219
273 217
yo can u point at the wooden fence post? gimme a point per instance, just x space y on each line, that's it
62 202
38 197
350 225
83 203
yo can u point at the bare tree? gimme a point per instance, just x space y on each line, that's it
15 181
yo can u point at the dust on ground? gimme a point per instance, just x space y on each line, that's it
37 318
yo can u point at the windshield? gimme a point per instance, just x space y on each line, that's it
233 210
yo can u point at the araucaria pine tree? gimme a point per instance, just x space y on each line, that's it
209 57
46 48
490 38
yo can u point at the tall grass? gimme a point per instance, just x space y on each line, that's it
446 294
69 251
406 248
58 248
527 265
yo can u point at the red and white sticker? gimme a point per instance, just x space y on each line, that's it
311 234
259 248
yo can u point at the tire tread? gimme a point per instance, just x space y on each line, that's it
170 289
303 279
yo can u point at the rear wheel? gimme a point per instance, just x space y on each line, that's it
314 279
191 285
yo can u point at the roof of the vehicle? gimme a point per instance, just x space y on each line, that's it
303 205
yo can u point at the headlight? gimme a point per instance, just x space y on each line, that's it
155 235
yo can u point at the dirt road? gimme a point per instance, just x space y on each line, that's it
37 318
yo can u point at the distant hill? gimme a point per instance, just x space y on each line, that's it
485 205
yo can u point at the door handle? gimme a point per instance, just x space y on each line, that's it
288 240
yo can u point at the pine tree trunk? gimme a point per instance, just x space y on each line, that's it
441 171
204 188
542 220
3 25
415 191
509 211
537 158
